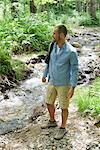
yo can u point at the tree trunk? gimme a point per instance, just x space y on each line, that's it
32 7
4 10
98 4
79 6
92 9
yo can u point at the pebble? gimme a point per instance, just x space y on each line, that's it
2 144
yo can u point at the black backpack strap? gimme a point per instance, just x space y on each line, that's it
47 58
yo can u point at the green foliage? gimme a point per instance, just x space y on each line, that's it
39 35
5 65
88 98
19 68
9 67
25 34
39 2
86 20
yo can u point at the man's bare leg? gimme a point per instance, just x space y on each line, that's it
64 116
51 110
62 131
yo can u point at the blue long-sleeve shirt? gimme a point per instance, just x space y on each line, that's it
63 66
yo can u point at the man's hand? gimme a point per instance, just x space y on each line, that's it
70 93
43 79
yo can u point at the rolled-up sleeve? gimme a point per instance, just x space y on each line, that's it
73 68
46 70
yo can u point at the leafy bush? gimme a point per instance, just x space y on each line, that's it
25 35
39 35
5 65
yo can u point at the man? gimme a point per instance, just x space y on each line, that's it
62 73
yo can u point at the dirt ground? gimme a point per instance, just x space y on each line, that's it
81 134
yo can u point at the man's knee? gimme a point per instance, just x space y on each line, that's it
65 110
50 105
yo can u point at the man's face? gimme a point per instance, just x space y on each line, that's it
56 35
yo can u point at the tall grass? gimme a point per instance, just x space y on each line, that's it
88 98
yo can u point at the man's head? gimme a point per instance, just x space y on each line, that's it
59 33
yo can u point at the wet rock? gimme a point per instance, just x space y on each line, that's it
34 60
93 146
81 77
2 145
27 73
97 124
6 96
32 145
4 84
10 126
76 45
88 69
1 120
42 57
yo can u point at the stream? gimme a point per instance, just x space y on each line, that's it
19 103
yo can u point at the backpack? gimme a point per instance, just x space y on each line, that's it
47 58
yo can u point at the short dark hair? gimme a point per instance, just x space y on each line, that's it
62 29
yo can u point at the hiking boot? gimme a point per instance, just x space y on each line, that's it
49 124
60 134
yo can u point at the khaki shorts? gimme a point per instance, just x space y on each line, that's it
59 92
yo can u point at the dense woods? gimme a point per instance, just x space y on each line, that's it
16 7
